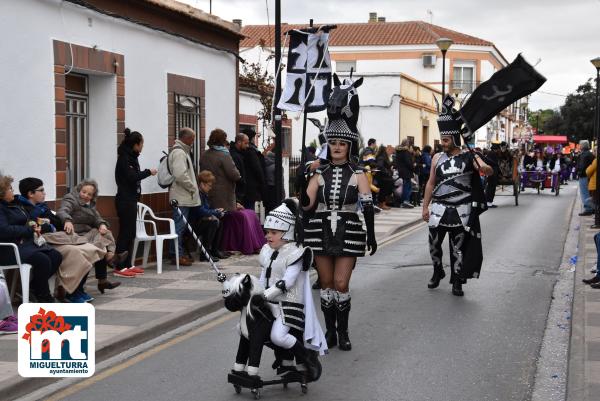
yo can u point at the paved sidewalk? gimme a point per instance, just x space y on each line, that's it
584 364
147 306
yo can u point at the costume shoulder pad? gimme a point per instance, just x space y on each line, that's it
265 255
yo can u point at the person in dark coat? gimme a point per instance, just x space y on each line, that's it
383 177
492 181
405 166
585 159
236 150
16 226
128 176
254 163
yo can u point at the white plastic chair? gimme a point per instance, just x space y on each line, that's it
24 270
141 235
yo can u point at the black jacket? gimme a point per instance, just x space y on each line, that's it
404 164
255 174
14 228
128 175
238 160
585 159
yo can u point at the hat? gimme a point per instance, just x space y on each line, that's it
339 129
29 184
283 218
449 120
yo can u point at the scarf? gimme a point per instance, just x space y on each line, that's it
219 148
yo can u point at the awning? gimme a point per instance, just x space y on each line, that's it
550 139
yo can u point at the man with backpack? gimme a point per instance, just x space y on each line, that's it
184 188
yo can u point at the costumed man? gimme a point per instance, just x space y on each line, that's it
336 194
289 321
454 190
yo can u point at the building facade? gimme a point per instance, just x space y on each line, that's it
402 66
79 72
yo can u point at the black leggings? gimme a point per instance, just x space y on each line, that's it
127 212
44 264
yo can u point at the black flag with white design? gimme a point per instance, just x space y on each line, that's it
308 81
505 87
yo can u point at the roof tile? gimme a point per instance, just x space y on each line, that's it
368 34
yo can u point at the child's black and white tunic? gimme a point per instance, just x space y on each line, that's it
336 228
294 307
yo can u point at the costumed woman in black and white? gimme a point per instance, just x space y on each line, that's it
337 194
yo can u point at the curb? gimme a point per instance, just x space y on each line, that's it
20 386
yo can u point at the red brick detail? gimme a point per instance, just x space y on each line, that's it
61 150
188 86
61 178
248 119
60 122
84 59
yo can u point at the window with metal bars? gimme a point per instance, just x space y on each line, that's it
187 114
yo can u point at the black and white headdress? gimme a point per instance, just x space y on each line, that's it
283 218
450 121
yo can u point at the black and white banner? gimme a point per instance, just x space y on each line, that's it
308 81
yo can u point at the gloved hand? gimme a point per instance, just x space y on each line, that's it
271 293
369 215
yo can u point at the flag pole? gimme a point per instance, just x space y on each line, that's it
277 111
303 156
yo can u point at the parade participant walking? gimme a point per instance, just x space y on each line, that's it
128 176
334 230
452 188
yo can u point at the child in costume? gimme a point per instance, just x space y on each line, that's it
295 331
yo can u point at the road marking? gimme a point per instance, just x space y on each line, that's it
137 359
393 238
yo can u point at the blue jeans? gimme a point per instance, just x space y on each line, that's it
406 190
586 198
180 228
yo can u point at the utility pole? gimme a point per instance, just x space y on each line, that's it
276 110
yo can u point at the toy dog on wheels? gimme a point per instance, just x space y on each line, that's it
277 310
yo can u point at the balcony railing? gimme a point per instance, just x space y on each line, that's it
463 87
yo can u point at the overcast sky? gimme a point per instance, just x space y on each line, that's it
564 34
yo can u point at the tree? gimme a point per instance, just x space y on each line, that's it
259 81
578 112
547 121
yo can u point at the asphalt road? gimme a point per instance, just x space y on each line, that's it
410 343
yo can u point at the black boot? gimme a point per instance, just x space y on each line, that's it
302 355
329 312
457 288
342 313
438 275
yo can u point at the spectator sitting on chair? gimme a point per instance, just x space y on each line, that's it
79 215
78 255
18 228
184 189
205 220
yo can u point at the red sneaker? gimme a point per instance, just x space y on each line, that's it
137 270
124 273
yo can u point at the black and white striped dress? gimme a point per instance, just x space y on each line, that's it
336 228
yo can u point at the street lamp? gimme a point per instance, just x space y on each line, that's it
444 44
596 63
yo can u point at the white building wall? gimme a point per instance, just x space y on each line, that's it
149 56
